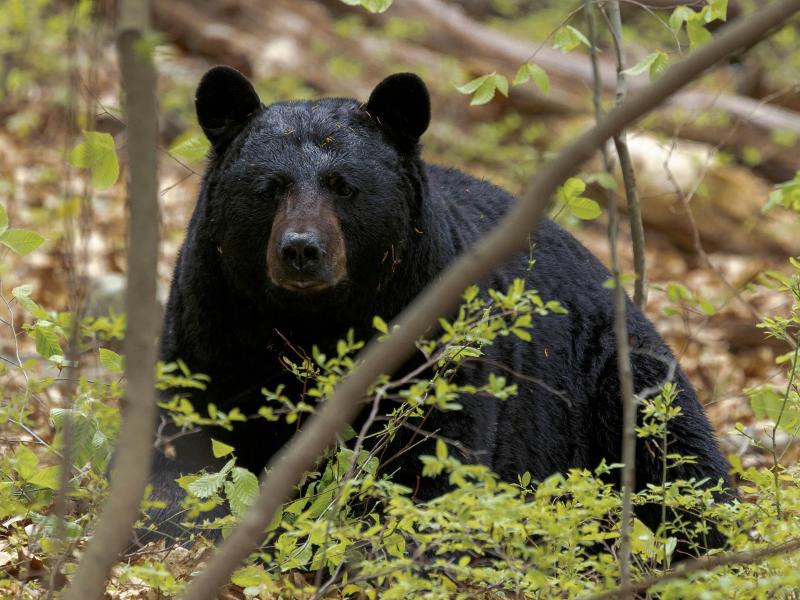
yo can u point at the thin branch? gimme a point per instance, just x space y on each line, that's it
708 563
504 241
620 327
131 470
626 164
75 257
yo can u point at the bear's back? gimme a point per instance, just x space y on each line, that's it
563 268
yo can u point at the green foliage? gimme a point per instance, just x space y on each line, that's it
567 38
98 154
786 194
366 535
654 63
190 146
569 196
682 298
19 241
33 37
531 71
373 6
696 20
483 88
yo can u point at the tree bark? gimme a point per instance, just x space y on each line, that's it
131 470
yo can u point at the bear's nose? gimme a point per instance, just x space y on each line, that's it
301 251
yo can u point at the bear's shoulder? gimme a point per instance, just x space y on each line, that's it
474 206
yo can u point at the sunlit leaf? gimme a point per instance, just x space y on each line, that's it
653 63
49 478
530 71
242 490
373 6
568 38
21 241
220 449
484 87
112 361
98 153
585 208
191 147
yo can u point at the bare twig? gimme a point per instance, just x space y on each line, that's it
139 419
626 164
503 242
75 258
620 328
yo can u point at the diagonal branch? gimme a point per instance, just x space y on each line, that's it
700 564
508 238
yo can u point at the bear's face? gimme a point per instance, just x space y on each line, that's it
311 202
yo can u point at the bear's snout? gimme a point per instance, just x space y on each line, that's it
301 252
306 251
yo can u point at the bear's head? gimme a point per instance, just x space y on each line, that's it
311 202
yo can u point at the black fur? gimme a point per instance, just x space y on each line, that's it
406 224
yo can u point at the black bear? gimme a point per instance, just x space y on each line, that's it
313 217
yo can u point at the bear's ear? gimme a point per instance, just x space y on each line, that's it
225 101
401 104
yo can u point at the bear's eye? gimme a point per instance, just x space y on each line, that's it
276 185
338 185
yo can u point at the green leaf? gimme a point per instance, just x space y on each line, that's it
3 219
707 308
471 293
220 449
49 478
679 16
113 362
206 485
21 241
98 153
46 339
473 85
610 283
484 93
191 147
22 294
573 187
654 63
484 87
380 324
373 6
501 84
579 206
698 34
26 462
441 450
716 10
243 491
348 433
585 208
568 38
22 291
249 576
786 194
522 334
532 71
603 179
